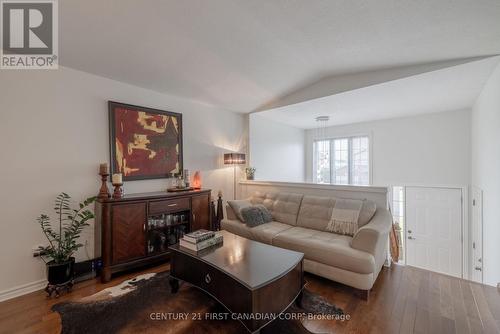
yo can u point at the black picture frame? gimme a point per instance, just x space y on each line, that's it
112 105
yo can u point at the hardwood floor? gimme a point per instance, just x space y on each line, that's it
403 300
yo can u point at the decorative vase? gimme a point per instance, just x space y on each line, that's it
60 273
250 173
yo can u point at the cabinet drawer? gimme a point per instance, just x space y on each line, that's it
166 206
226 289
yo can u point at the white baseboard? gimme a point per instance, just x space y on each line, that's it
22 290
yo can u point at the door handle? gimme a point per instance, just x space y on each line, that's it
194 217
479 268
170 205
409 231
411 238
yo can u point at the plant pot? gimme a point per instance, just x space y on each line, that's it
60 273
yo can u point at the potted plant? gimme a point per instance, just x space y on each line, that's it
250 172
63 242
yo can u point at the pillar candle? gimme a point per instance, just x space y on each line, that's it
103 168
117 178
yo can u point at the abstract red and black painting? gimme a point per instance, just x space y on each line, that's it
145 143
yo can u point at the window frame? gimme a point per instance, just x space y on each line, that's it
349 138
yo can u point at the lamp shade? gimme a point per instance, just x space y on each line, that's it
234 159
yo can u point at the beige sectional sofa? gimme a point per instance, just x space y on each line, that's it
299 223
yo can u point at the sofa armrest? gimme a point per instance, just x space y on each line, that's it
372 237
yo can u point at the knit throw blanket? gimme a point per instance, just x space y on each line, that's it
345 216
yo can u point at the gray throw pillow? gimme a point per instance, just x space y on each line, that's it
266 215
252 216
237 205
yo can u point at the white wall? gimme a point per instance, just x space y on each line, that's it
486 171
54 134
276 150
431 149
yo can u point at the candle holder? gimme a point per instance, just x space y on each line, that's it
118 193
104 191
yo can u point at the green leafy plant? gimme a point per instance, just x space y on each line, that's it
250 171
63 243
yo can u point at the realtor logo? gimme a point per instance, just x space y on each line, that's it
29 34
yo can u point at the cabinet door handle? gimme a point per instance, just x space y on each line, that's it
208 279
194 217
144 227
170 205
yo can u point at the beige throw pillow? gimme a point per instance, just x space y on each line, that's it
237 205
345 216
367 212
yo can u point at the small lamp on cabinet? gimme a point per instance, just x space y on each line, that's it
197 180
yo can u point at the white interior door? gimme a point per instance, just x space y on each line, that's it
434 229
476 244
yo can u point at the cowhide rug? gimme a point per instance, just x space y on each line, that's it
144 304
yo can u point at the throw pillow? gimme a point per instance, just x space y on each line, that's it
345 216
367 211
266 215
237 205
252 216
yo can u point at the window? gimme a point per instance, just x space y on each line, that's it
342 161
398 214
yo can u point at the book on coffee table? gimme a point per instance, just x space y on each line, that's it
198 236
215 240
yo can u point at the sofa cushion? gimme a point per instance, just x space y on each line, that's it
367 211
236 227
237 205
286 208
266 199
267 232
262 233
327 248
315 212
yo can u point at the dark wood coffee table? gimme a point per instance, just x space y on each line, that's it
249 278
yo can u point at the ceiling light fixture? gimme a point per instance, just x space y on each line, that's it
321 122
321 145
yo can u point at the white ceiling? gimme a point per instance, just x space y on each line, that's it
241 54
451 88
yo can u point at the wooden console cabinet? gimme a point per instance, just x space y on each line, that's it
138 229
